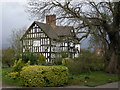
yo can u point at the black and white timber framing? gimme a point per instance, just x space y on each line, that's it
41 38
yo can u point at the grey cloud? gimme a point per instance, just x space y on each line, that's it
13 17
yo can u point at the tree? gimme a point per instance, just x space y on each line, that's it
101 18
0 58
15 42
8 57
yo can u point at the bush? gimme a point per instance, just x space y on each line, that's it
19 64
75 67
49 64
41 60
86 62
64 54
66 61
13 75
39 76
57 61
7 55
90 61
30 56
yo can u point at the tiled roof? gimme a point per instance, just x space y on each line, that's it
47 29
54 32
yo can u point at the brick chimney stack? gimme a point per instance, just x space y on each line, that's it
51 19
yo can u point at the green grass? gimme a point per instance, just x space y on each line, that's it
92 79
7 80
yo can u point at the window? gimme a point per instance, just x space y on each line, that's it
36 43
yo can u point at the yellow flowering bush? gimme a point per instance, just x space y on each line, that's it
13 75
41 76
19 64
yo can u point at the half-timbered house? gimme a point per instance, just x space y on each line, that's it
49 39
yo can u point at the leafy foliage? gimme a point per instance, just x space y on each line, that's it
19 64
39 76
9 79
41 60
35 59
30 56
57 61
13 75
64 54
66 61
86 62
8 57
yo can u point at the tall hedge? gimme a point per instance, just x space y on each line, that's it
41 76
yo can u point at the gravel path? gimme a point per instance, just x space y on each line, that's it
110 85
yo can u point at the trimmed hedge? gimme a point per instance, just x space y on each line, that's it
41 76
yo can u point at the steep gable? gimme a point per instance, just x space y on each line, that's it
53 33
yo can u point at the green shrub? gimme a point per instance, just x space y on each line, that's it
49 64
39 76
30 56
57 61
97 63
86 62
27 64
19 64
64 54
13 75
7 56
66 61
41 60
75 67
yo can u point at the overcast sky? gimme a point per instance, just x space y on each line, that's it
13 16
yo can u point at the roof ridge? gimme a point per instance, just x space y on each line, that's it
65 26
55 25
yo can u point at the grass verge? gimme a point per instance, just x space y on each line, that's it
92 79
7 80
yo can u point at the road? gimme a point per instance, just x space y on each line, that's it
110 85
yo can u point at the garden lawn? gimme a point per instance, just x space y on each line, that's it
8 80
92 79
85 79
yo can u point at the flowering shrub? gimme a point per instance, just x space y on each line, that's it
19 64
13 75
39 76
